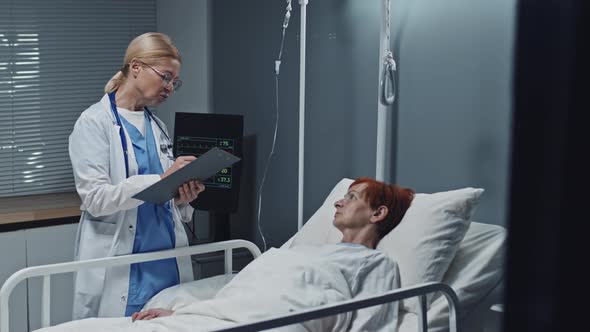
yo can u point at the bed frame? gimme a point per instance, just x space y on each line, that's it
46 271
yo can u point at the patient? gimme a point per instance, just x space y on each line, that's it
287 280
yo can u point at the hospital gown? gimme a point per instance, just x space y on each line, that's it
279 282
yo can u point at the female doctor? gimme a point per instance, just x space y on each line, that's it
118 148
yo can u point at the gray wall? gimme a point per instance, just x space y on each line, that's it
454 106
245 44
450 124
187 22
340 103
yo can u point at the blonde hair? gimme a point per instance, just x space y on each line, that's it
150 45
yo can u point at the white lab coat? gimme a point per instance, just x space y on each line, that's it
109 214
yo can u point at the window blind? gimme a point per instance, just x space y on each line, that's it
55 58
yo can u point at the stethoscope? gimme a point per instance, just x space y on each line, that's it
165 148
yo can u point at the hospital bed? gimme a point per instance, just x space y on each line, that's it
455 278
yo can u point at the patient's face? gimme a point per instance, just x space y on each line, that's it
352 211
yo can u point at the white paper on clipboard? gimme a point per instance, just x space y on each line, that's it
202 168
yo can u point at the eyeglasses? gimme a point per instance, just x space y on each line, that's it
166 78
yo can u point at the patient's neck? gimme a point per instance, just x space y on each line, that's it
364 236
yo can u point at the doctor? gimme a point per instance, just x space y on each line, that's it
118 148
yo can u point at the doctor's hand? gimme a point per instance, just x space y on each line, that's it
150 314
188 192
178 164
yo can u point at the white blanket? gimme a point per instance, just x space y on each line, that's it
279 282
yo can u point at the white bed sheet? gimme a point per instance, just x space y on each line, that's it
476 270
292 280
190 292
474 273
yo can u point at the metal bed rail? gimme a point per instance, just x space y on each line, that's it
420 291
46 271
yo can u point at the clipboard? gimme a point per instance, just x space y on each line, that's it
202 168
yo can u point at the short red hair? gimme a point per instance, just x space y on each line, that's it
397 199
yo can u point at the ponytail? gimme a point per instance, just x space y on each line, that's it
115 82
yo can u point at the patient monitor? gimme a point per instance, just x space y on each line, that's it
195 134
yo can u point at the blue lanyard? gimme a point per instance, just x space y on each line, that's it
122 133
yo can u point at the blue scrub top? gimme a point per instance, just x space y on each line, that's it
154 230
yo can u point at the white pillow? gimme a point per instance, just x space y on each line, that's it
423 244
319 229
479 264
476 270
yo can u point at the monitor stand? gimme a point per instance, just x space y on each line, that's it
219 226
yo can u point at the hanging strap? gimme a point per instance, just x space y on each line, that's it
389 67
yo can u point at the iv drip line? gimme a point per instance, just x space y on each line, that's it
274 140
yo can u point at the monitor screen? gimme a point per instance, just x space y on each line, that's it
195 134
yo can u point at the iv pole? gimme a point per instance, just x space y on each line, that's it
387 91
303 4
